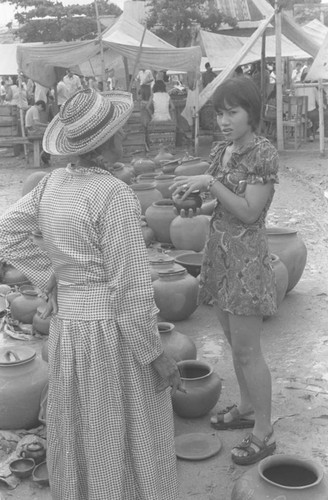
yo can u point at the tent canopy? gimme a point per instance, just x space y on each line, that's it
8 61
123 38
316 30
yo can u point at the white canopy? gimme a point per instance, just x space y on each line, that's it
8 61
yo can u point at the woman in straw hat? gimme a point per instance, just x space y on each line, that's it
109 416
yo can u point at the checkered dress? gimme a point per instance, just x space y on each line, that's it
110 435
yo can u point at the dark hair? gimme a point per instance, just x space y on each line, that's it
239 92
239 70
159 86
207 65
41 103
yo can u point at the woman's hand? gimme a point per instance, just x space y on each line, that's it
167 369
184 185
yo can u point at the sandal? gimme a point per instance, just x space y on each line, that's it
238 420
253 455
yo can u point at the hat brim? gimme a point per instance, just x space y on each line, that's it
55 140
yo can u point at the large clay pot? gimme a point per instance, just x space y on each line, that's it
143 165
147 177
190 233
122 172
285 477
192 166
163 182
162 156
281 275
159 217
203 389
147 194
23 376
175 294
32 181
147 233
12 276
41 325
291 250
160 263
176 344
24 307
169 167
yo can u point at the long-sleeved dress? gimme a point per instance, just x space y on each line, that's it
110 435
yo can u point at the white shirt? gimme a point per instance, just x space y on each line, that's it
40 93
145 77
73 83
62 93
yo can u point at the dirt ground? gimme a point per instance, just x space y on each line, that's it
295 340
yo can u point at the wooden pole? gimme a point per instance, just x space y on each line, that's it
263 89
21 116
137 58
279 117
127 74
196 143
321 120
103 75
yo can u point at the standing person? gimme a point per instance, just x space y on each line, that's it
144 80
160 105
62 92
208 76
35 126
111 79
16 96
236 272
109 415
40 92
72 82
297 73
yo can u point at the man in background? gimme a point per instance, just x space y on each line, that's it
208 76
144 80
72 82
34 125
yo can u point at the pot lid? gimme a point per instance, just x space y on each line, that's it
13 355
163 259
166 273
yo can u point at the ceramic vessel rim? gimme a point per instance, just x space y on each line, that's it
273 230
164 177
37 469
169 326
29 462
186 262
290 459
142 185
198 363
172 272
31 352
165 202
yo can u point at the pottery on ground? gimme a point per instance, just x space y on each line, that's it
203 388
192 166
41 325
163 182
22 467
36 451
23 376
175 294
281 276
192 201
40 474
122 172
25 305
143 165
190 233
147 233
168 167
11 276
159 216
162 156
147 177
162 262
285 477
147 194
291 250
191 261
176 344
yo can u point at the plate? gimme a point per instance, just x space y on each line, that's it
197 446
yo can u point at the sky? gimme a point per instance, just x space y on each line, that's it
7 11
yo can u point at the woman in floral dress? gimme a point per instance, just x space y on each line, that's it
109 416
236 272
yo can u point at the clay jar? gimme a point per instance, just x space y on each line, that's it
169 167
161 263
176 344
147 194
162 156
159 216
147 177
203 388
163 182
284 477
23 376
193 201
281 275
39 324
175 293
291 250
143 165
24 307
190 233
147 233
192 166
34 450
12 276
122 172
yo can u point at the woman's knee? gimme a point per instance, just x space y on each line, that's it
245 354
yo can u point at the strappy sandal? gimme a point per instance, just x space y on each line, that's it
253 456
239 421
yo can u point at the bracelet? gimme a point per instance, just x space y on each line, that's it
210 184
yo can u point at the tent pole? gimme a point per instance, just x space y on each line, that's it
196 124
321 120
103 76
280 132
126 69
263 89
138 57
21 115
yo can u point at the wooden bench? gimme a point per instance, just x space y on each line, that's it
36 140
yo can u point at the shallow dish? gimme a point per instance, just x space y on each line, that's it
40 474
22 467
191 261
197 446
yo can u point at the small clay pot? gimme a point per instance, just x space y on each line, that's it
22 467
192 201
40 474
36 451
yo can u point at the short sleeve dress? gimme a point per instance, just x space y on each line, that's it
236 271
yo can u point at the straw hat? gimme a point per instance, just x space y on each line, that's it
87 120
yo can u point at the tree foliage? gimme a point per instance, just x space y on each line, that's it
172 19
48 21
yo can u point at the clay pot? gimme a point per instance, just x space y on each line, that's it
285 477
291 250
39 324
176 344
161 263
162 156
34 450
192 166
203 388
32 181
147 177
122 172
147 233
192 201
147 194
13 277
163 182
170 166
159 217
143 165
23 376
281 275
175 293
24 307
191 261
190 233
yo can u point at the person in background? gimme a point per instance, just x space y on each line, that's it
144 80
160 105
93 84
35 126
30 88
16 96
256 76
2 91
297 73
239 71
62 92
111 80
40 93
110 430
236 273
72 82
100 86
208 76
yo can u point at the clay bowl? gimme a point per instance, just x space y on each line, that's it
191 261
22 467
40 474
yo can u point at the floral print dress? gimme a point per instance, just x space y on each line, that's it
236 271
